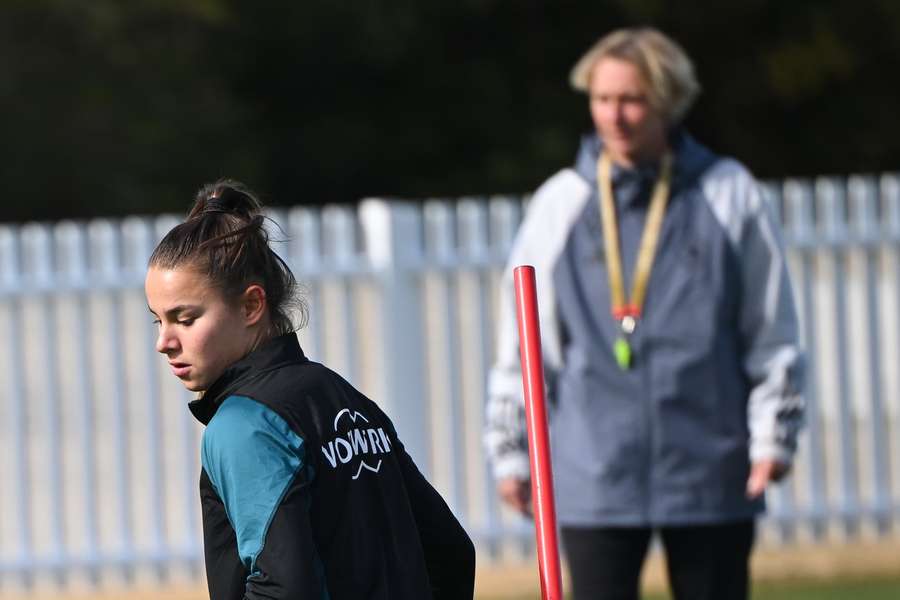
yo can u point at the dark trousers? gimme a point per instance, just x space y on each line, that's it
704 562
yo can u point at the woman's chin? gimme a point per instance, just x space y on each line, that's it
194 386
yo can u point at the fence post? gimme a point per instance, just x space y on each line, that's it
831 199
440 246
74 272
339 235
12 279
392 233
863 196
306 259
106 251
139 239
37 243
800 227
474 220
889 188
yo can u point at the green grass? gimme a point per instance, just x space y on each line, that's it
871 589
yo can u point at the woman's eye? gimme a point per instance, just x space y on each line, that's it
157 322
186 322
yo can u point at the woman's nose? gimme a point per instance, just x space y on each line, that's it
619 113
165 342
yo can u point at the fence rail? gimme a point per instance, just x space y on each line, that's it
99 458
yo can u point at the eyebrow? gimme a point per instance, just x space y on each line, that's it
175 309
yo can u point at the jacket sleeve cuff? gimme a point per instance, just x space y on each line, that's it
770 450
512 464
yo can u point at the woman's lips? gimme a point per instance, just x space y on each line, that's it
180 369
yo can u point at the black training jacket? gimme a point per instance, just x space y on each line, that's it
308 494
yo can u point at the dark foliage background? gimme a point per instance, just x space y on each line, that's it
110 108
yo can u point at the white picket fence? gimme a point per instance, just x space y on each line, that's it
99 456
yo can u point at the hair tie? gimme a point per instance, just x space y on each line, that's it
215 205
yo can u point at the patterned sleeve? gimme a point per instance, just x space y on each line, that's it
539 242
773 359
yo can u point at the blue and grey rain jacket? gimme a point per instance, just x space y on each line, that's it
308 494
717 371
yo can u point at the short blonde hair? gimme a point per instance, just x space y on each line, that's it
665 66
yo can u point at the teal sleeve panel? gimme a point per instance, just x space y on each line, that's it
251 456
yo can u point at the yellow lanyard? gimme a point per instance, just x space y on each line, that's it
627 312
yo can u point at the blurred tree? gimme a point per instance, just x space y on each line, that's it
112 108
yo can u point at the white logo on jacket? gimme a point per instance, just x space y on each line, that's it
358 441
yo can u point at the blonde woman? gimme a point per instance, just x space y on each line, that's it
670 338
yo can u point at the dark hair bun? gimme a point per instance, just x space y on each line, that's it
226 196
224 237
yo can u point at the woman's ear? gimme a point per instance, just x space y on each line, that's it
253 304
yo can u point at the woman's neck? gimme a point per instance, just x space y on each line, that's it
265 332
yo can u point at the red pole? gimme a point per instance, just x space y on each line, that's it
538 438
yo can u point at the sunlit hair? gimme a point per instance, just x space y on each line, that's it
672 85
224 237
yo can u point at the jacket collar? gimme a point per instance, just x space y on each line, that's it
691 160
276 352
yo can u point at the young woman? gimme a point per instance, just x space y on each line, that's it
306 491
